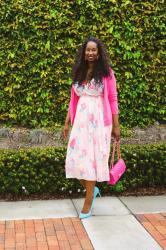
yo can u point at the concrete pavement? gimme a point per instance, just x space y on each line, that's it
113 226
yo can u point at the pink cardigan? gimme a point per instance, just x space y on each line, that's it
110 100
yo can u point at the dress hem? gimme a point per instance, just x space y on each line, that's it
79 178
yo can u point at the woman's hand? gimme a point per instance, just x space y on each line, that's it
65 131
116 132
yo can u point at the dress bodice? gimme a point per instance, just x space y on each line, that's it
89 89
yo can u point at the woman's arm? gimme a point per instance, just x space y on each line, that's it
115 119
71 111
66 126
67 120
116 127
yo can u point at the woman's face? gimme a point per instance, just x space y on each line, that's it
91 52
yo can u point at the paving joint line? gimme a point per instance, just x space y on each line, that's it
125 206
138 220
74 207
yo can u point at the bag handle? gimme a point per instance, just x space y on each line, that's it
116 144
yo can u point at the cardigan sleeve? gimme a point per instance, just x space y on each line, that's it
73 104
113 95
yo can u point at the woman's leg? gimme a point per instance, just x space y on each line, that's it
89 185
83 183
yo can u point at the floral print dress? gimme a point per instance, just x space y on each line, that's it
89 142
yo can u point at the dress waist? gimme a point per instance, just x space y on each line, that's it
88 95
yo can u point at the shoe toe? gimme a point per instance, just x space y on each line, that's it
83 216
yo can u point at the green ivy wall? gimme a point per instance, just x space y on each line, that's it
39 40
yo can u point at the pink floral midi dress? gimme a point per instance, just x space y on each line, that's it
89 142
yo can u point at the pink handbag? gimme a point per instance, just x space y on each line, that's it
117 169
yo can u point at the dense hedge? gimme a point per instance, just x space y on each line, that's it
39 40
42 170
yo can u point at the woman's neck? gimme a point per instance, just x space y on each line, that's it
91 65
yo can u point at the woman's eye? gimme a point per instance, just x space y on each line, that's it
93 50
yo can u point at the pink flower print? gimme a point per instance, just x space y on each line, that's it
82 172
94 164
72 143
83 106
91 118
71 162
97 88
94 141
95 123
92 86
82 125
84 152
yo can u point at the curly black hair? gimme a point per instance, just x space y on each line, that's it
102 66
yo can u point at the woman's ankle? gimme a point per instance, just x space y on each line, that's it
87 206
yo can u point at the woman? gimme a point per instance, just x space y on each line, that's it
93 112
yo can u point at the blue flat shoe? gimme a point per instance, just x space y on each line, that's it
83 216
95 193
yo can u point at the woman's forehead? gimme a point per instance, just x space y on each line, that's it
91 45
